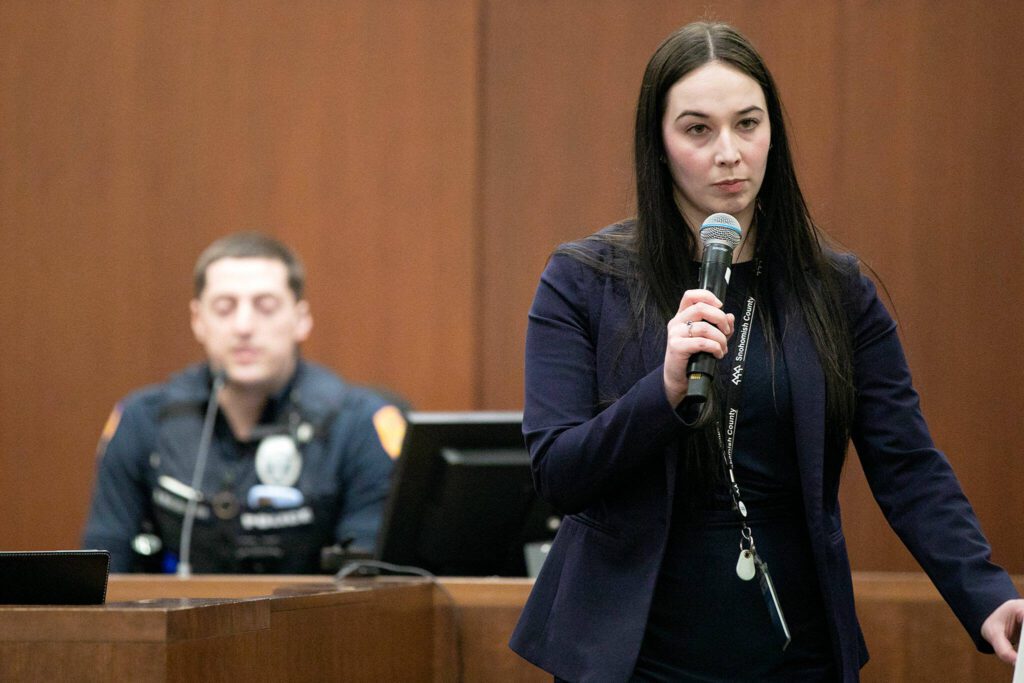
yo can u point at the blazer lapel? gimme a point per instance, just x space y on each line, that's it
807 391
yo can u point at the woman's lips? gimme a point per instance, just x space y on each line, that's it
731 186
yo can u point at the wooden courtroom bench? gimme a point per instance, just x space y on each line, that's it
157 628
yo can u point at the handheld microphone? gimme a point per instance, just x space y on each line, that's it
185 546
720 233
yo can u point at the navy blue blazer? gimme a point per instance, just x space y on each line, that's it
612 469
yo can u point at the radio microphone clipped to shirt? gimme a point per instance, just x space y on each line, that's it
720 233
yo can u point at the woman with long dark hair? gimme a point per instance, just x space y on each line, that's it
702 540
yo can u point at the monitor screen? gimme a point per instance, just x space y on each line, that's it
462 501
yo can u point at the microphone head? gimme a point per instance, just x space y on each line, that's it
721 228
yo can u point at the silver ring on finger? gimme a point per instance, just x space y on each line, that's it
689 328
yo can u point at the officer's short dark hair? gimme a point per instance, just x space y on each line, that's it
250 245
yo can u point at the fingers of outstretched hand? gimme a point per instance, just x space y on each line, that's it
1002 628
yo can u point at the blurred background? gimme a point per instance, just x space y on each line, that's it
425 156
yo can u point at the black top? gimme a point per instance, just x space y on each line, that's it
705 622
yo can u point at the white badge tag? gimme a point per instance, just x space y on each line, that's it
745 565
278 461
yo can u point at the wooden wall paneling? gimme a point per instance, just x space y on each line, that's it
135 133
559 81
929 156
79 279
397 257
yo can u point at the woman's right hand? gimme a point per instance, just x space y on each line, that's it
700 325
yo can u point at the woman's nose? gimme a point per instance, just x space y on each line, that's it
727 153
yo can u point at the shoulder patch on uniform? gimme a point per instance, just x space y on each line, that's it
390 426
109 429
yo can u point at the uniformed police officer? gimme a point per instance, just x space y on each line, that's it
297 459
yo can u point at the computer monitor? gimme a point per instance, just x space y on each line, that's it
462 500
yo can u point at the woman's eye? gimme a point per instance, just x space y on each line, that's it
697 129
748 124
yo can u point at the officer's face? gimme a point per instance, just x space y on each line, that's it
249 322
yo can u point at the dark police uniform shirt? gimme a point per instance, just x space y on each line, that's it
315 473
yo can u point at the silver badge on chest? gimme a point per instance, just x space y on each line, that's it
278 461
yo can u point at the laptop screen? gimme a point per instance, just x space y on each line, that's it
58 577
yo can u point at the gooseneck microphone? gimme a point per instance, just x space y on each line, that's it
720 233
206 437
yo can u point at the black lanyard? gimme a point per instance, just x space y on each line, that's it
749 563
732 399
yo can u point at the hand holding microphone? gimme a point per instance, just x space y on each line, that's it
699 332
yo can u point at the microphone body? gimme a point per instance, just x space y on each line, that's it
720 233
184 568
